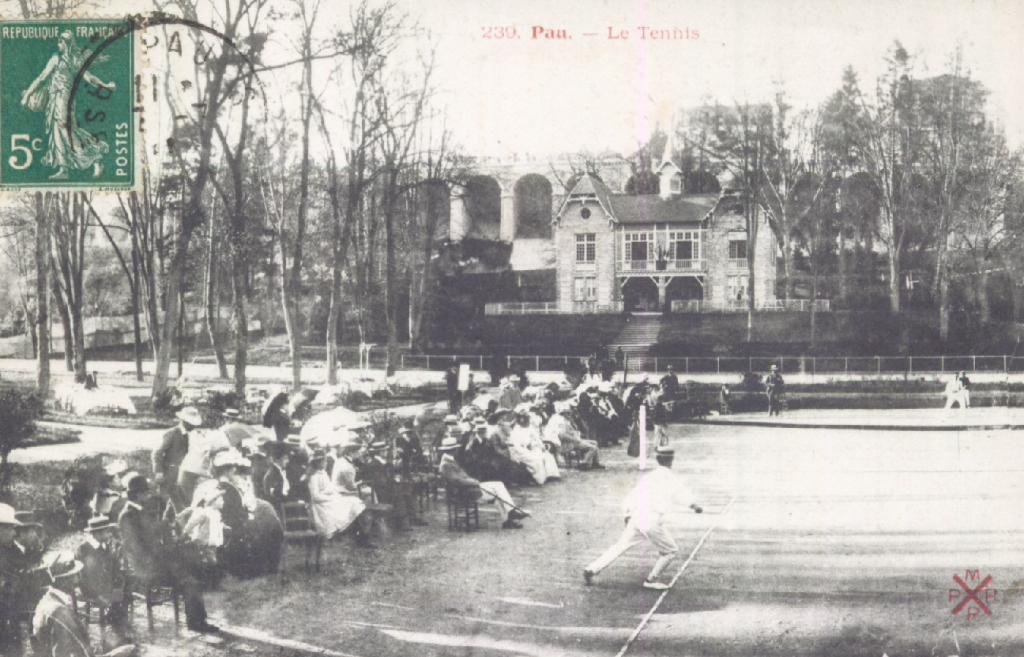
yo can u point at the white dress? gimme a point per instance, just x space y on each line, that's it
331 512
526 447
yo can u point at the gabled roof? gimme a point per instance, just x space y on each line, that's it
651 208
588 187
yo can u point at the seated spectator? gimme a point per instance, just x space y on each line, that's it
102 578
526 447
109 489
14 567
378 472
56 629
153 559
460 484
332 512
485 455
560 430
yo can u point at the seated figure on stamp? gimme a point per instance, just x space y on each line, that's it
67 146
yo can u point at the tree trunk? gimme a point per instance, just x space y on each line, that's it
42 297
894 279
944 307
841 266
65 323
333 313
241 328
789 289
210 299
136 311
984 307
814 309
181 333
175 279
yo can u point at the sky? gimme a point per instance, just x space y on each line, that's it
543 96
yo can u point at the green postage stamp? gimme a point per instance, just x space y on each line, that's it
67 95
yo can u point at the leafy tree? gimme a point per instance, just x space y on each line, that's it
18 411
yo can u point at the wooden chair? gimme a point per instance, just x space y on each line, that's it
298 529
463 511
153 596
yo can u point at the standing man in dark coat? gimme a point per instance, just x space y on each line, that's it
168 457
774 387
152 557
451 382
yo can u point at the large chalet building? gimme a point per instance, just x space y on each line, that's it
599 249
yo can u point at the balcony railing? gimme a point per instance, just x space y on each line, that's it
551 308
671 265
737 306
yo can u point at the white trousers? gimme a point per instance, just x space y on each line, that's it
632 536
495 491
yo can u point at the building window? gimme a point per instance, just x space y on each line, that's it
639 246
584 288
684 245
737 249
586 247
737 288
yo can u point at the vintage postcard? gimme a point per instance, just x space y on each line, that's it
650 328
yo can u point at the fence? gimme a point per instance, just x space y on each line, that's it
740 306
908 365
551 308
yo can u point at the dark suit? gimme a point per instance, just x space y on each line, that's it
166 460
273 486
153 560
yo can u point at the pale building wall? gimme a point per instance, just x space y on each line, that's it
603 269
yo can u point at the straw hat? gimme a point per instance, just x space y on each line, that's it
448 444
62 564
190 415
7 515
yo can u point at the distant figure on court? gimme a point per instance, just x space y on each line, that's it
724 400
646 506
774 388
957 392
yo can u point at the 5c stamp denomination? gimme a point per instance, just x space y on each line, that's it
66 115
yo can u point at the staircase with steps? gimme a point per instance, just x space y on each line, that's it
637 337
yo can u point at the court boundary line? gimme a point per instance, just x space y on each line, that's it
679 573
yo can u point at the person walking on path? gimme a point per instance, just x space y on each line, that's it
774 387
646 507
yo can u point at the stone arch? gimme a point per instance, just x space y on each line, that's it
481 198
640 294
533 206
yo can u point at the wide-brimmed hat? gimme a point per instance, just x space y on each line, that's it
190 415
451 418
665 451
62 564
98 523
27 519
377 446
773 367
448 444
115 468
230 457
8 516
402 431
233 413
